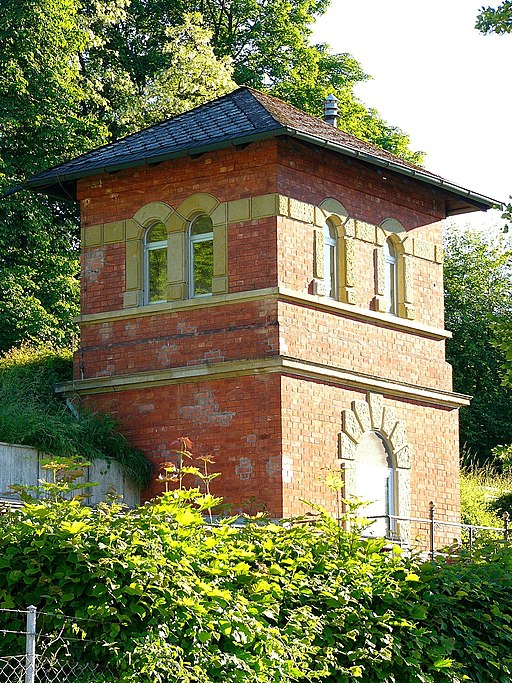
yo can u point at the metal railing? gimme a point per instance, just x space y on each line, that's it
51 655
467 536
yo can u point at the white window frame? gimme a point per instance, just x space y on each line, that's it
194 239
391 278
151 246
331 257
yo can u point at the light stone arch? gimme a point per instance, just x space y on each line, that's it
392 225
372 415
152 213
176 222
333 211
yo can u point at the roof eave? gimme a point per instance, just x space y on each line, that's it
62 185
46 185
476 202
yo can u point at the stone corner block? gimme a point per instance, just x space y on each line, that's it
92 235
301 211
264 206
239 210
114 232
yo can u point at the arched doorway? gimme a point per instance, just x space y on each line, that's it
375 482
376 461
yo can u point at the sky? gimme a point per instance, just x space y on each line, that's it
438 79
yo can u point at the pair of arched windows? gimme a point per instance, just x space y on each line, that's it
199 255
332 274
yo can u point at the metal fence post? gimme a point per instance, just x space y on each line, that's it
30 650
431 516
506 520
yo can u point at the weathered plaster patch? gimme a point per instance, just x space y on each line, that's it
273 467
244 469
206 410
94 262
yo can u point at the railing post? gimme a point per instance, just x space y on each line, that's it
471 530
431 516
506 520
30 649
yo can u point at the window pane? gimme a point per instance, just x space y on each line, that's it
202 255
157 276
158 233
201 225
332 264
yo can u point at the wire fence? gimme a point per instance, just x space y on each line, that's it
39 647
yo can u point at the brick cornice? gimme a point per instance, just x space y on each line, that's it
274 364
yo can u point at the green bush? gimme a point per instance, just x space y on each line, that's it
160 595
32 414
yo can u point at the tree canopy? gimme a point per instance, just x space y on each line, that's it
478 299
77 74
495 19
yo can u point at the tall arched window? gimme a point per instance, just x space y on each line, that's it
331 274
391 278
155 263
200 260
376 483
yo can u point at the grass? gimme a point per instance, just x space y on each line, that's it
31 414
485 495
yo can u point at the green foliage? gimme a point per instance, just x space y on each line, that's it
64 91
267 44
160 595
495 19
484 493
32 415
478 300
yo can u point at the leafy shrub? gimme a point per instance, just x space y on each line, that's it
33 415
161 595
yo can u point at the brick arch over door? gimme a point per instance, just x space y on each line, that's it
372 415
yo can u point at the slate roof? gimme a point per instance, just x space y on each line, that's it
239 117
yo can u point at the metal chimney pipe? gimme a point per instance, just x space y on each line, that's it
331 110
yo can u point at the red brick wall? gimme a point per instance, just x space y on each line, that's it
329 337
248 422
369 193
311 424
236 420
227 174
175 339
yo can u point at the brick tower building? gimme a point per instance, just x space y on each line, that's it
271 287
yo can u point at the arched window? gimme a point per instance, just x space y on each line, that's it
391 278
331 260
155 263
200 260
376 483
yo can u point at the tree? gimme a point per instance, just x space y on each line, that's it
53 106
268 44
41 96
495 20
478 297
77 74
